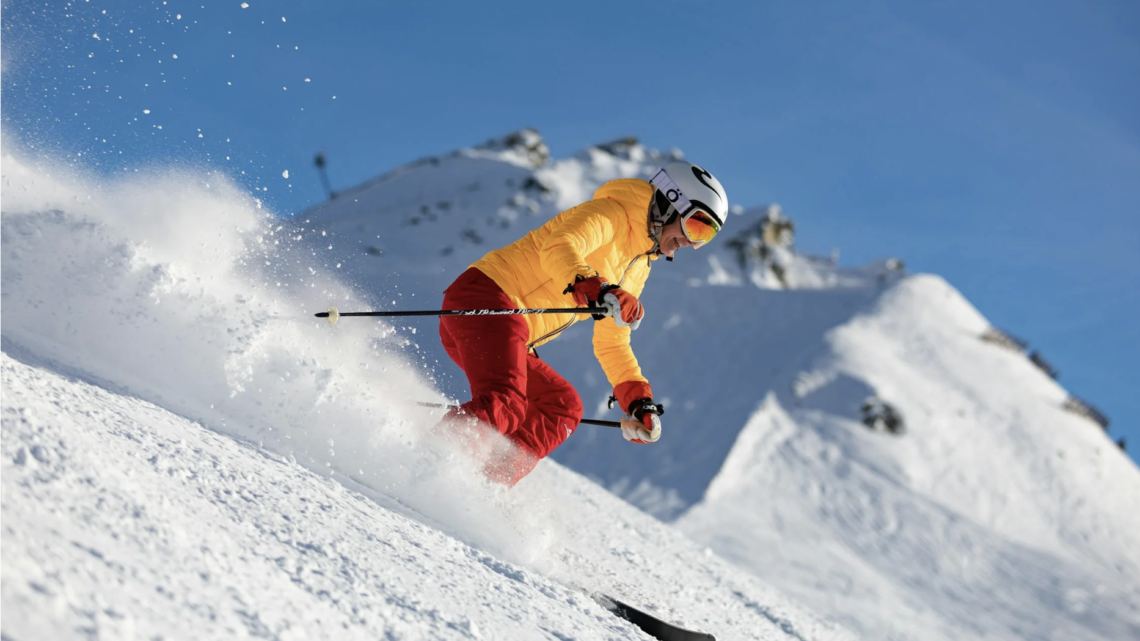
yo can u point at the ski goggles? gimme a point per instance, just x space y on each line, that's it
698 225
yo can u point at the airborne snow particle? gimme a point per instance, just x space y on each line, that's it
285 174
245 5
175 56
146 111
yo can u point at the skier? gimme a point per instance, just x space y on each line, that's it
597 254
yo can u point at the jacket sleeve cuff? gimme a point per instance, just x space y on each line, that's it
630 391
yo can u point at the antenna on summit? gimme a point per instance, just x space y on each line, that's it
319 161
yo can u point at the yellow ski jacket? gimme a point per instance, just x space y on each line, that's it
608 237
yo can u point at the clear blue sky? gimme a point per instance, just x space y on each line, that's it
994 143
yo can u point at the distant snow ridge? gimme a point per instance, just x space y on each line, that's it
458 206
525 144
763 245
993 495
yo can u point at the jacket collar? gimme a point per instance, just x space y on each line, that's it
635 196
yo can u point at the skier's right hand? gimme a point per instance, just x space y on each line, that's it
587 291
620 305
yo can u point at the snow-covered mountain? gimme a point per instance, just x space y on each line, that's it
177 424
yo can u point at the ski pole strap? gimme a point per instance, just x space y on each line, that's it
585 421
333 314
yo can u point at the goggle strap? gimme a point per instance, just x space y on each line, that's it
664 184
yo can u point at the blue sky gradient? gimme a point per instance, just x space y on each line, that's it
994 143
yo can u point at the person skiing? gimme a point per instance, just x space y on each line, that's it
597 254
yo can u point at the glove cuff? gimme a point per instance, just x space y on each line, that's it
630 392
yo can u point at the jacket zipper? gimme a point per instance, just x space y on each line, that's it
530 345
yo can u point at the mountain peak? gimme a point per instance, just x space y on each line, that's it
526 143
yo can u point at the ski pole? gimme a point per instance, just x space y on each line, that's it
586 421
333 314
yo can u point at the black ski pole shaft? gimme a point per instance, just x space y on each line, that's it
586 421
333 314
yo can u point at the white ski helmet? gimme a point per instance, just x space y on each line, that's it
683 187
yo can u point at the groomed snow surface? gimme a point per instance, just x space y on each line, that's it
188 454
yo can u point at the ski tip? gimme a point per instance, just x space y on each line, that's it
651 625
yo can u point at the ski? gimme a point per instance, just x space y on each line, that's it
648 623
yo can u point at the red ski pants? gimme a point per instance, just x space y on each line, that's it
511 389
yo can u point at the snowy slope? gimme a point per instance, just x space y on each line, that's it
187 453
122 520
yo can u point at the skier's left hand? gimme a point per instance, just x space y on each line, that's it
643 423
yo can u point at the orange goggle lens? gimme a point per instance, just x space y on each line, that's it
699 227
